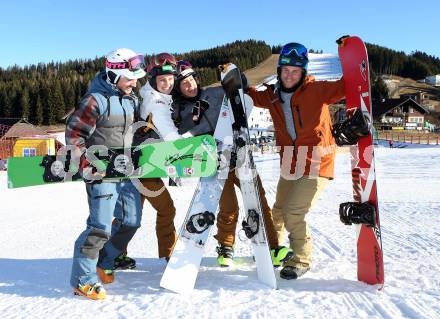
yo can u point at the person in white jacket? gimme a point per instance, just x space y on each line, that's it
155 110
157 98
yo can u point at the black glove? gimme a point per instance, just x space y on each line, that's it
244 82
198 110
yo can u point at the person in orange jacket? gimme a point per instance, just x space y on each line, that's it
303 129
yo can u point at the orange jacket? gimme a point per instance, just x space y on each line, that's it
313 152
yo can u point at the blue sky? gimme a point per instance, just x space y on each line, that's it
48 30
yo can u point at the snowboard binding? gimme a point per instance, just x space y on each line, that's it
55 170
352 129
251 224
122 165
200 222
357 213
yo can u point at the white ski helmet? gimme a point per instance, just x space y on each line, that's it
124 62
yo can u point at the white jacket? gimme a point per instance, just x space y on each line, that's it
159 105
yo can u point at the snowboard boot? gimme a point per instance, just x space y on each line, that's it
280 255
291 272
225 255
124 262
107 276
95 291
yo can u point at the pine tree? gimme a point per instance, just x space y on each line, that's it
15 101
56 102
379 89
48 104
6 105
24 104
39 118
69 98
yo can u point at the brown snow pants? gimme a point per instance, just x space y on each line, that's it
159 197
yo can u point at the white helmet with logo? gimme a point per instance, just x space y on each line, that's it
126 63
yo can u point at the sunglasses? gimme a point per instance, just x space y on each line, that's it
133 64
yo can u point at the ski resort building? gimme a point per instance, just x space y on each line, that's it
399 114
20 138
34 146
260 125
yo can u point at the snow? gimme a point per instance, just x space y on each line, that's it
323 66
40 224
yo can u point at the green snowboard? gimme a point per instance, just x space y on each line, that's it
188 157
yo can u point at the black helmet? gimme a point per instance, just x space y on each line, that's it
294 54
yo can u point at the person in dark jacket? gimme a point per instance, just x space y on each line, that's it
196 111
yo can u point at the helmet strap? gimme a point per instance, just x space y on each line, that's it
112 77
152 81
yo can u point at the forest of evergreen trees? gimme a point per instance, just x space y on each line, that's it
44 93
416 65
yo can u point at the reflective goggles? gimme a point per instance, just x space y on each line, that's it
163 59
298 49
133 64
183 65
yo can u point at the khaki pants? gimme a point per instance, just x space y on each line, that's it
228 215
294 199
159 197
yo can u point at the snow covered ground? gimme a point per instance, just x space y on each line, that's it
40 224
325 66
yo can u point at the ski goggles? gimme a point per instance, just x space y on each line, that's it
184 70
163 59
133 64
295 49
183 65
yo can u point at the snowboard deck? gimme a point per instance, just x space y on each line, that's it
180 275
247 174
354 61
188 157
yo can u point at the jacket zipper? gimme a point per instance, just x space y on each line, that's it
125 124
296 136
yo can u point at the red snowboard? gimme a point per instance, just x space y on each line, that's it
354 61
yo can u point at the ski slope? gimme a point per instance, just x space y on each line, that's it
40 224
323 66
